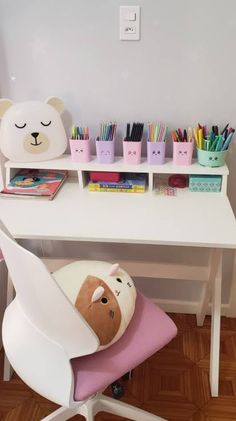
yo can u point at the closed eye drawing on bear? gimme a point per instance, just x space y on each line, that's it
20 127
46 124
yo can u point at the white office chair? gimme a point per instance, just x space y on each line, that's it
48 342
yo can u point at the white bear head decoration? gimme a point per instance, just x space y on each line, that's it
32 131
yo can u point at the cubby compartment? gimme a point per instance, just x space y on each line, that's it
168 184
116 182
173 184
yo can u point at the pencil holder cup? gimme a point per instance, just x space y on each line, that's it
105 151
211 159
182 153
156 153
80 150
132 152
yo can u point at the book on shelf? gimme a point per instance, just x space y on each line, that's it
115 190
35 183
130 183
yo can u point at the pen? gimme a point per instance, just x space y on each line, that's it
127 131
214 143
227 142
185 136
195 132
180 135
225 128
164 134
200 137
173 135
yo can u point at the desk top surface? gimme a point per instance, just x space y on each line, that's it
188 219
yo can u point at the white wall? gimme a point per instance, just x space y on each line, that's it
182 71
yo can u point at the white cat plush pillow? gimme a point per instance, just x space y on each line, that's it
32 131
104 294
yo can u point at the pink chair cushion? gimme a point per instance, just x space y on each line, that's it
149 330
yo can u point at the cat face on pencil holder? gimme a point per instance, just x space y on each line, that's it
211 159
182 153
32 131
132 152
156 153
105 151
80 150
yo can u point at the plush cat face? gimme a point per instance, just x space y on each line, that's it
32 131
100 308
103 293
107 301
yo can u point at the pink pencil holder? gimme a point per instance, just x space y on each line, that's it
105 151
156 152
182 153
80 150
132 152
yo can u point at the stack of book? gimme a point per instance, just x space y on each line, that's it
31 183
129 183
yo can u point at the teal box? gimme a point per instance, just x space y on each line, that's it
205 183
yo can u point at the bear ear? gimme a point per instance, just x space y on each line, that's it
4 105
56 103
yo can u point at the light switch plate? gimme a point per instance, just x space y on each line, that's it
129 29
131 16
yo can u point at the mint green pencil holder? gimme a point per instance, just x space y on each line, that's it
211 159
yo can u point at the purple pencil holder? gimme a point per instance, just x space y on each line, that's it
182 153
80 150
132 152
105 151
156 152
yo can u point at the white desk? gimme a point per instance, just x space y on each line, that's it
189 219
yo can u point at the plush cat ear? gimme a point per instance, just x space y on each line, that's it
114 269
97 294
56 103
4 105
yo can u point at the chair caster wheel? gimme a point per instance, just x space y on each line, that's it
117 390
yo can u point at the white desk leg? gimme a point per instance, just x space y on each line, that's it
231 312
215 330
7 369
208 287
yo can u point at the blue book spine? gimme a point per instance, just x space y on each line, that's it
112 185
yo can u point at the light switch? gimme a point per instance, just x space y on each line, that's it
131 16
130 23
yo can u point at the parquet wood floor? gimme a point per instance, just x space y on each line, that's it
172 383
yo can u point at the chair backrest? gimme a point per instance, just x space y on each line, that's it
43 302
2 172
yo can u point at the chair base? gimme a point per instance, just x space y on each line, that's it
101 403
